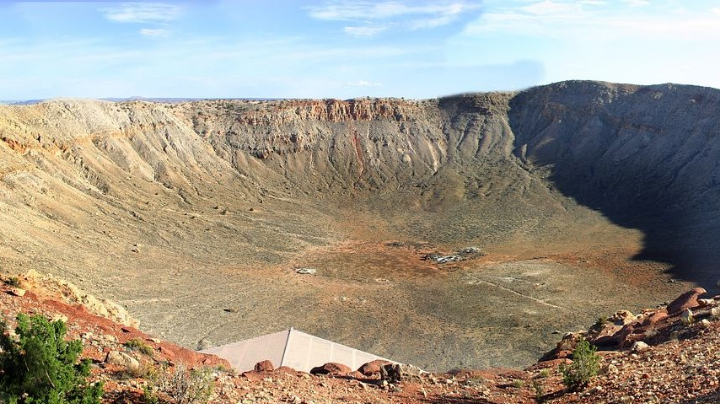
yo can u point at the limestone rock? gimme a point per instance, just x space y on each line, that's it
72 294
707 302
640 346
622 317
687 316
122 359
395 372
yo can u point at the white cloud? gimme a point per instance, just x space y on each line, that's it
409 15
587 20
364 31
142 12
715 10
550 8
637 3
363 83
154 32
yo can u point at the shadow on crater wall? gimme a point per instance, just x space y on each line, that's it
647 157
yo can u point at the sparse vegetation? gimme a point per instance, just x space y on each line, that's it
144 371
180 385
149 396
37 365
539 391
517 383
136 344
585 365
544 373
601 322
13 281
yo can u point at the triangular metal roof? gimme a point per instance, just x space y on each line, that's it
291 348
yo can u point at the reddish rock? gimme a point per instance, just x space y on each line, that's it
656 318
356 375
607 337
373 368
331 368
253 376
623 335
288 370
167 352
687 300
562 354
264 366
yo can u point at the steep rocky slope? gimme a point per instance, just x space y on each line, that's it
678 364
645 156
195 215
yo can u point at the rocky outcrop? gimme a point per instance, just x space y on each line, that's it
687 300
646 156
67 292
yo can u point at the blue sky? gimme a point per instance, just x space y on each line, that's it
348 48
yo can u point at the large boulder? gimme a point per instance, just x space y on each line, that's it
687 300
373 368
122 359
331 368
264 366
395 372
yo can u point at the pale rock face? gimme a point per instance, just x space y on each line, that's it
639 346
122 359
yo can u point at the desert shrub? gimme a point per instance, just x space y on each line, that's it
539 391
37 365
149 396
182 385
13 281
585 365
136 344
144 371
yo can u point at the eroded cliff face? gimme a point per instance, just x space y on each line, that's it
182 210
646 156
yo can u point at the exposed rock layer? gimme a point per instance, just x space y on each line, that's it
182 210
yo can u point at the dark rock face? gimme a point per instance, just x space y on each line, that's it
645 156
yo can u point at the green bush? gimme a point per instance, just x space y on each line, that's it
585 365
37 365
136 344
